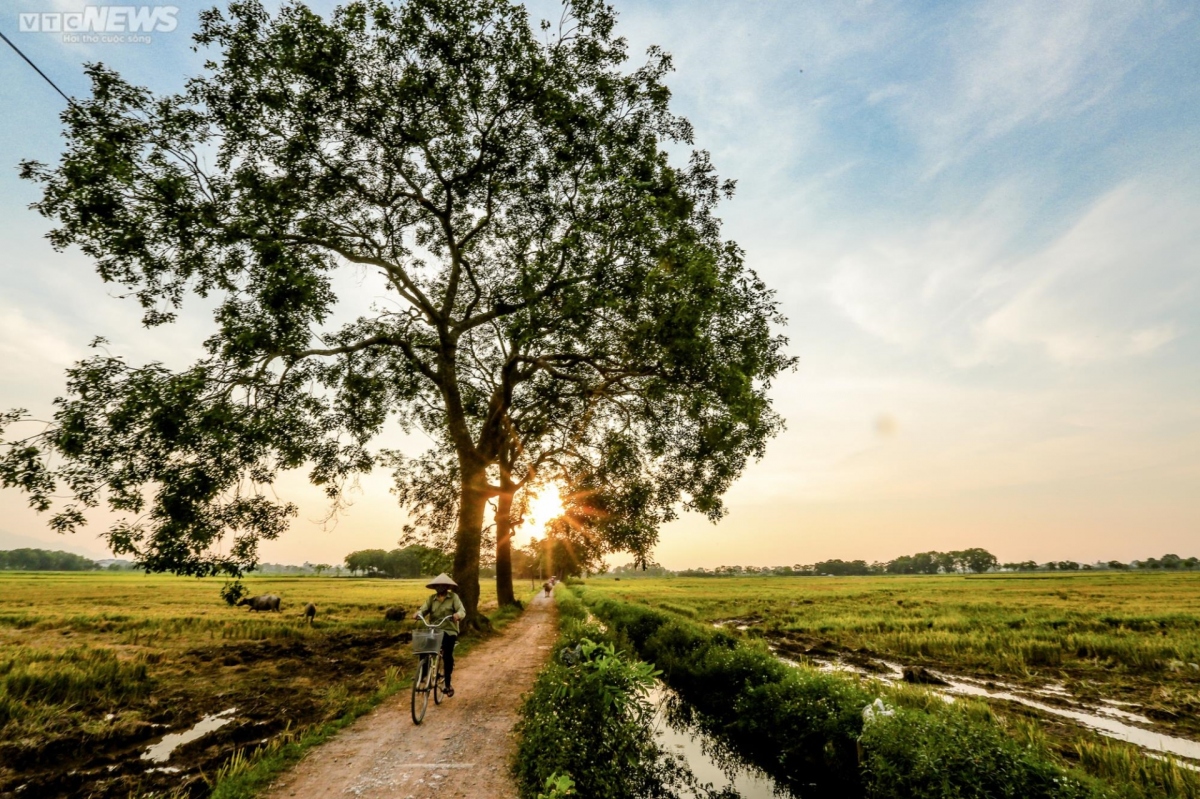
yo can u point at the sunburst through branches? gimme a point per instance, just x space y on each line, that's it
545 508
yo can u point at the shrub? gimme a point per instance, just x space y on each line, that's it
232 592
587 726
916 755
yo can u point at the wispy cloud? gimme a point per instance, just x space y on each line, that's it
1119 282
1003 65
1124 281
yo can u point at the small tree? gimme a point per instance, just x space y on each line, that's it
978 560
367 561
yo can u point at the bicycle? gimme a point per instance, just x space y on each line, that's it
427 644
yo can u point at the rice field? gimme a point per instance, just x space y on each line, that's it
95 667
1124 638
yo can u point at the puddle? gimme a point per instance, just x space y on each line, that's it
1107 719
696 750
161 751
1180 763
738 624
1117 713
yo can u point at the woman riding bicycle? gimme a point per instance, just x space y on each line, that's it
442 604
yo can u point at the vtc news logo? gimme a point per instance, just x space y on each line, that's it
102 19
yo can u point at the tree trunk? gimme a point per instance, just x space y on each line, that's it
504 531
467 538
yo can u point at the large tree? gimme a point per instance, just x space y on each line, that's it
511 188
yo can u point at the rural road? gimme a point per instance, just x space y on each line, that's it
461 750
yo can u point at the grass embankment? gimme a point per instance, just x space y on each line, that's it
1126 637
585 725
94 666
807 728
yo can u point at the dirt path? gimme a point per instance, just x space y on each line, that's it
463 747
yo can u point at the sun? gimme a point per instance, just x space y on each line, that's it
545 507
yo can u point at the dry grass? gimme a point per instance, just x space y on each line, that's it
93 665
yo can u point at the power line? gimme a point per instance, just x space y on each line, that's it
17 50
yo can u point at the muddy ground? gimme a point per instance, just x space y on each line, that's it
274 685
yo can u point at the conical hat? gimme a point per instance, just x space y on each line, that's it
442 579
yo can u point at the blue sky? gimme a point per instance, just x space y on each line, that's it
982 220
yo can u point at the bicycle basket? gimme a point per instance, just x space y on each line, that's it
426 642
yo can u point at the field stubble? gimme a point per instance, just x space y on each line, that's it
97 667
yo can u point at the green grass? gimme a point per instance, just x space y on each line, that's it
1130 637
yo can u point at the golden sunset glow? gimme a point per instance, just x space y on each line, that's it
544 508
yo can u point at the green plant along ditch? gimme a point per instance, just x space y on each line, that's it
585 725
588 727
807 729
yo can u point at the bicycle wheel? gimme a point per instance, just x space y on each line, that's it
420 690
438 677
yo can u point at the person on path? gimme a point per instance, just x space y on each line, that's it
437 607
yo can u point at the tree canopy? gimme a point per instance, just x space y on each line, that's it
45 560
556 285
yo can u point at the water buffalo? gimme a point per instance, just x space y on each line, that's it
394 614
310 612
264 602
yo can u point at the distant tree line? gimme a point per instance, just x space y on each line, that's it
967 561
974 560
1170 562
557 554
1167 562
415 560
305 569
44 560
47 560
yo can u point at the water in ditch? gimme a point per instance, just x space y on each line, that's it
715 772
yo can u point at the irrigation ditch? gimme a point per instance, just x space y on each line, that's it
710 712
600 722
711 763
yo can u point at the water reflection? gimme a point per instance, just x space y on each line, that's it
717 771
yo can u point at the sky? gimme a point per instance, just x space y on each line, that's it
982 220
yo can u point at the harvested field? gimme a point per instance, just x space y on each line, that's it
97 668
